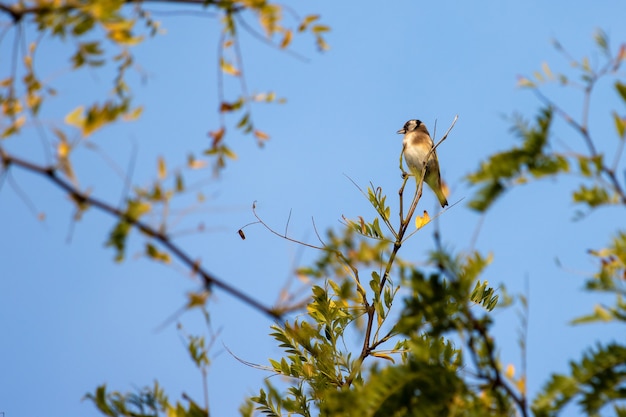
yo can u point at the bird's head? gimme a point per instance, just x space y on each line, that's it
412 125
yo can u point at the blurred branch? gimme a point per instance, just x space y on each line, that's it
495 376
17 11
81 198
583 129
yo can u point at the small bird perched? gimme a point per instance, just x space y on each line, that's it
415 146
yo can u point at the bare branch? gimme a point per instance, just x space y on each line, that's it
209 280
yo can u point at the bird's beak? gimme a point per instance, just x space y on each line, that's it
401 131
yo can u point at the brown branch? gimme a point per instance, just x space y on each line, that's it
209 280
496 379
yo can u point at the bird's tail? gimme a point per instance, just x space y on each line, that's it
440 189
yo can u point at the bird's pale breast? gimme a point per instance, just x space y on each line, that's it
415 150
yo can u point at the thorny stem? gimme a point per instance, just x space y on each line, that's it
208 279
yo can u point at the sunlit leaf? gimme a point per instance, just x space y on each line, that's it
525 82
320 29
421 221
307 21
601 39
196 299
217 135
261 135
229 68
383 356
133 114
286 39
510 371
620 125
153 253
75 117
162 168
546 70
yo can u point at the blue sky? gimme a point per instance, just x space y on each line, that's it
71 319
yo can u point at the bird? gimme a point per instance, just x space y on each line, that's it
415 145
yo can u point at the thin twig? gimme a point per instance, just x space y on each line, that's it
284 236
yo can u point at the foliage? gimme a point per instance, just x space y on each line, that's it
537 158
437 356
431 355
598 379
380 334
103 35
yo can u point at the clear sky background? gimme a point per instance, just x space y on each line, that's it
71 319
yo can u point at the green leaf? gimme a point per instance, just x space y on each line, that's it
486 196
602 40
593 196
621 89
620 125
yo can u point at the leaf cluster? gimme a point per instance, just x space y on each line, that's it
537 156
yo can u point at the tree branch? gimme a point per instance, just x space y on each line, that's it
209 279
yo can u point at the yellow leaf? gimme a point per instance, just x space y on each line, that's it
510 371
525 82
308 370
133 114
620 124
602 313
261 135
547 71
621 55
63 149
124 37
162 168
228 153
321 44
33 101
14 127
154 253
6 82
383 356
118 25
19 122
307 21
196 164
422 221
197 299
320 29
286 40
76 118
521 385
229 68
217 135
